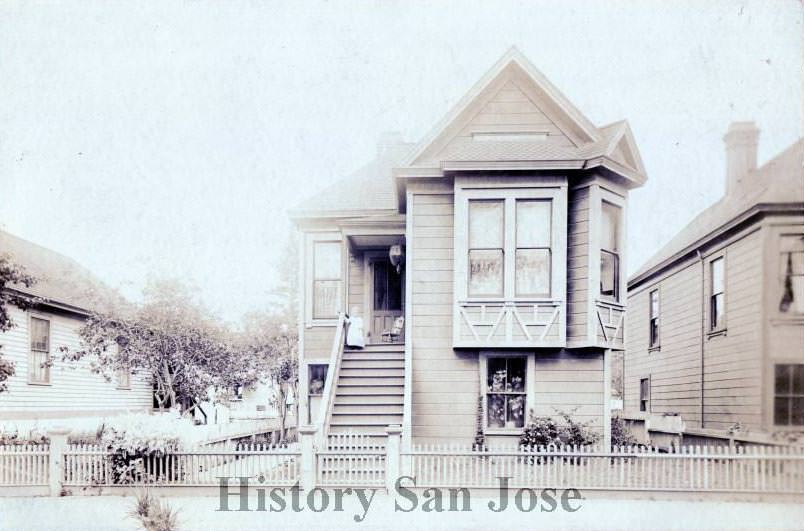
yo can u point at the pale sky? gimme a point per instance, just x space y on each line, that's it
169 138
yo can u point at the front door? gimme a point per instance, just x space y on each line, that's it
386 304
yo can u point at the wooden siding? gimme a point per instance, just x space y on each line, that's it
318 343
444 383
73 389
578 303
571 382
355 303
732 361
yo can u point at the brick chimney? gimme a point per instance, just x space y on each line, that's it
741 154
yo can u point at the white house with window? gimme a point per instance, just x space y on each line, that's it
45 390
716 317
481 265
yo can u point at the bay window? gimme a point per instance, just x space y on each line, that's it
506 392
327 279
610 251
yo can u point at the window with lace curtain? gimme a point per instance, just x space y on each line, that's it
792 273
39 357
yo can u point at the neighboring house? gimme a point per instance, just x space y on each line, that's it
500 241
63 391
716 317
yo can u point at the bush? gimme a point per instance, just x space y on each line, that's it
620 435
129 453
543 431
154 514
14 438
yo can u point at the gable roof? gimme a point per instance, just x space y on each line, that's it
780 181
60 280
512 118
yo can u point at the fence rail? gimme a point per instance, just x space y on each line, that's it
714 469
24 465
89 465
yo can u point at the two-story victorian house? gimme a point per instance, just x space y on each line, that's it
716 317
486 263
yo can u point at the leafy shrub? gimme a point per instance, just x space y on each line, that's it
15 438
129 453
543 431
480 436
620 435
154 514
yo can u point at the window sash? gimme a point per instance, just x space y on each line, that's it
506 392
326 298
609 275
717 294
317 378
36 372
644 394
788 394
654 318
327 289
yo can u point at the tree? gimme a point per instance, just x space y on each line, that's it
11 274
175 341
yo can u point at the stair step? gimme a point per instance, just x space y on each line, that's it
366 409
379 347
363 420
395 399
365 372
372 390
370 381
373 431
372 364
381 355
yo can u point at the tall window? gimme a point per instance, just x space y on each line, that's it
788 395
792 273
486 248
505 392
610 252
644 394
533 229
654 318
38 371
317 378
717 314
327 282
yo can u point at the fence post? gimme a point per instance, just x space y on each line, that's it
58 445
308 456
392 456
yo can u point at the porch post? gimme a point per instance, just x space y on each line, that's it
392 456
308 457
58 445
607 400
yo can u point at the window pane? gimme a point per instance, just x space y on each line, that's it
326 298
797 411
717 276
643 389
485 272
533 272
781 411
609 272
516 375
798 379
610 227
496 411
497 374
327 258
782 379
318 377
717 311
797 283
40 334
38 373
654 303
486 221
516 411
533 223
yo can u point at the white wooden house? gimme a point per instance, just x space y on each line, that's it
716 317
511 218
64 391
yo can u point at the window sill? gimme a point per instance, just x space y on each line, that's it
124 388
716 333
655 348
504 431
41 384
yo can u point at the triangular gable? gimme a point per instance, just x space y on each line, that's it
513 100
623 148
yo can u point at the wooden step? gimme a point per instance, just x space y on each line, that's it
365 372
372 431
366 409
369 390
370 381
379 347
363 399
380 421
382 355
372 364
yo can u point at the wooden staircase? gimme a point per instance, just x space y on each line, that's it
369 392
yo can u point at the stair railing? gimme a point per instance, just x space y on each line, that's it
328 395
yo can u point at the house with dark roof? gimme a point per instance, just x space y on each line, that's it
716 317
66 292
482 265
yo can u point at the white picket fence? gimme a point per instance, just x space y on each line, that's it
351 460
92 465
24 465
713 469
